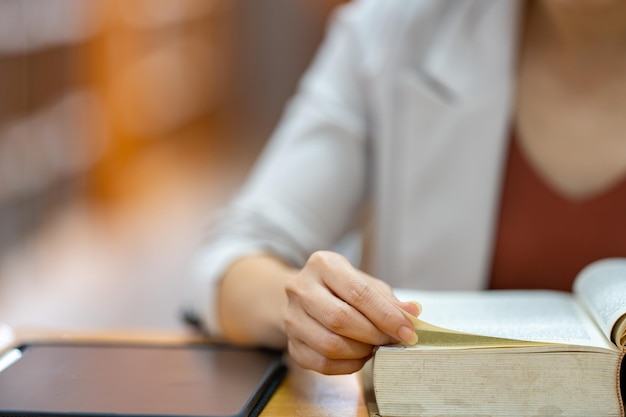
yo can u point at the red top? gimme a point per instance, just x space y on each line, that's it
543 239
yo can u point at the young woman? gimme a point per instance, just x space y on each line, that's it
475 144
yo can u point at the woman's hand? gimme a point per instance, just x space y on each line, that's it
337 314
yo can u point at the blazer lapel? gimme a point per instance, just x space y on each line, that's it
443 150
467 48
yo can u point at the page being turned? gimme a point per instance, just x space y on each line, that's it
535 316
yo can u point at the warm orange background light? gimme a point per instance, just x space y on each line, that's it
123 125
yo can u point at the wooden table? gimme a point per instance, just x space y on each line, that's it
308 393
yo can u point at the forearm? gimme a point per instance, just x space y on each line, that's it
252 301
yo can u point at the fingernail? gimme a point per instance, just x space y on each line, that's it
419 307
407 335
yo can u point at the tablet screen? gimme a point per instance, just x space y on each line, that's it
88 379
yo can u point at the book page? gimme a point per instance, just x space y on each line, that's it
535 316
439 337
601 287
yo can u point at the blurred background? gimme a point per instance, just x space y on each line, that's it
123 124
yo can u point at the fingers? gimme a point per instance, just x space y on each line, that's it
304 330
311 359
337 314
313 346
319 304
355 288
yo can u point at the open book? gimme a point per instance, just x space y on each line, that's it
514 353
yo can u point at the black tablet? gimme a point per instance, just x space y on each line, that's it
90 379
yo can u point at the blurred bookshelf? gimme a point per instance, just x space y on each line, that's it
123 124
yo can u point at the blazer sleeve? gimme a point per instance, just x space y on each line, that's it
308 184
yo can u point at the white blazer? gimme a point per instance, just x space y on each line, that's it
406 111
